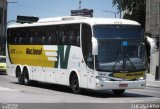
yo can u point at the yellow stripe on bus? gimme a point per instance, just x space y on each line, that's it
129 76
33 55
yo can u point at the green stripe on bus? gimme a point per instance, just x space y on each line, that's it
62 57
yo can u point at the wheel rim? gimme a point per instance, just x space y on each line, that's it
26 78
26 81
75 85
19 77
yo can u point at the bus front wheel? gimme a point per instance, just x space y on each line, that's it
75 84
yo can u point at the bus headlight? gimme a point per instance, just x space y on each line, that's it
141 78
101 78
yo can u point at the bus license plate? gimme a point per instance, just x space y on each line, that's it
123 85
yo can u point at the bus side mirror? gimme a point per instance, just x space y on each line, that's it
94 46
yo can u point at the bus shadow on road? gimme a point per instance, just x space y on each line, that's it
89 93
3 73
110 94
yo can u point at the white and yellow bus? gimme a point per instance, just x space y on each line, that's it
80 52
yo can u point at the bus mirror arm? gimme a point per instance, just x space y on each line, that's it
94 46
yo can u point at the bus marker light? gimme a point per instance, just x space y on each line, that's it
98 85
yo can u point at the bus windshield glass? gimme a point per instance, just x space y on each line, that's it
117 31
120 48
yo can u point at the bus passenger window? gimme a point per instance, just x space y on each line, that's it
78 40
43 40
11 35
60 37
46 40
15 40
49 40
52 40
39 40
27 40
72 40
20 40
64 40
31 40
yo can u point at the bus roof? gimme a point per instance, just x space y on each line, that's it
76 19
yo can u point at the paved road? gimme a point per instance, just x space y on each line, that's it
12 92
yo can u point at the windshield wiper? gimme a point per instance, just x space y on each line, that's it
127 58
117 60
124 57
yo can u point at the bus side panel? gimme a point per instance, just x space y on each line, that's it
67 61
49 68
10 68
50 75
76 62
38 73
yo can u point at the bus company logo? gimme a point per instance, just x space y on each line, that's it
135 74
34 51
13 51
58 54
63 56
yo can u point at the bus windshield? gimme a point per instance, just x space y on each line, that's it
120 48
117 31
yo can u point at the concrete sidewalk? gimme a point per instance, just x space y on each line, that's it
151 82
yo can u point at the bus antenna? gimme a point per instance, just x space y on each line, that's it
80 3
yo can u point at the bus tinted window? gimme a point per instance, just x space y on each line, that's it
87 45
45 35
117 31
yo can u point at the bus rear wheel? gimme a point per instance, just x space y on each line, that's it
20 78
119 92
26 77
75 84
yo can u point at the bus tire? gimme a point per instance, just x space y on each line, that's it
20 76
119 92
26 77
75 84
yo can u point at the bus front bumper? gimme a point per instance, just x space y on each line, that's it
102 85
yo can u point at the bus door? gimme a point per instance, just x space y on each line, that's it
87 52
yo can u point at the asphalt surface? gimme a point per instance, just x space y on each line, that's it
45 96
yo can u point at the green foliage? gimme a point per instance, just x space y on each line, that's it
133 9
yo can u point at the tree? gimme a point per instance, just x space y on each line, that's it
132 9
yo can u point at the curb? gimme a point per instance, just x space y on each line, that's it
153 86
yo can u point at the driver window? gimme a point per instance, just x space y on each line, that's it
87 45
